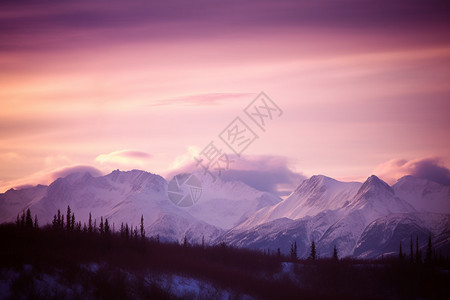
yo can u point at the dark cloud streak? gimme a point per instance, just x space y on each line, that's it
28 25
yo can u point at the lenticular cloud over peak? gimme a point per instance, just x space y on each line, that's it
430 168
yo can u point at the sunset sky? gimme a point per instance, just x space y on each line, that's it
364 87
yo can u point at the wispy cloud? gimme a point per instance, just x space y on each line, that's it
268 173
128 158
46 177
430 168
201 99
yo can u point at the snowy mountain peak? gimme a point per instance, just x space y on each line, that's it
313 196
374 186
376 198
314 182
78 177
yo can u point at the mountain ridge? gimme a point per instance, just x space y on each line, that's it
321 209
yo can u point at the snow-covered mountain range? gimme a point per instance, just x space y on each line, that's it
362 219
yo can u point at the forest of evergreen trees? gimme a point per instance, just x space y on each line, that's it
62 248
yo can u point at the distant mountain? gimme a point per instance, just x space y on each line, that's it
345 214
123 197
312 196
361 219
282 232
423 194
225 204
14 201
375 199
384 235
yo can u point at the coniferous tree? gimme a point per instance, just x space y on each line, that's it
61 226
101 225
58 222
127 231
203 241
29 219
400 252
68 218
335 253
278 252
36 225
55 222
294 251
18 220
185 243
142 227
95 226
418 254
90 229
22 219
157 238
136 232
429 254
411 251
79 226
72 222
313 254
85 227
107 229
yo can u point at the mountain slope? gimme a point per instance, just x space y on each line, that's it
311 197
423 194
123 197
375 199
13 202
227 203
384 235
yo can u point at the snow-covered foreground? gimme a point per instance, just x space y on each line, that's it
56 285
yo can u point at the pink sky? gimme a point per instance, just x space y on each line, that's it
364 87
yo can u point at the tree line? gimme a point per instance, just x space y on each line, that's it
68 222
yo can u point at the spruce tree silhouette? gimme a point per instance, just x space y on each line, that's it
28 219
72 222
36 224
294 251
335 253
90 229
313 254
107 229
142 227
101 225
429 254
418 254
69 217
411 251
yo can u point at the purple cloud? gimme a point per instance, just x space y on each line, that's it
66 171
26 25
267 173
426 168
432 170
